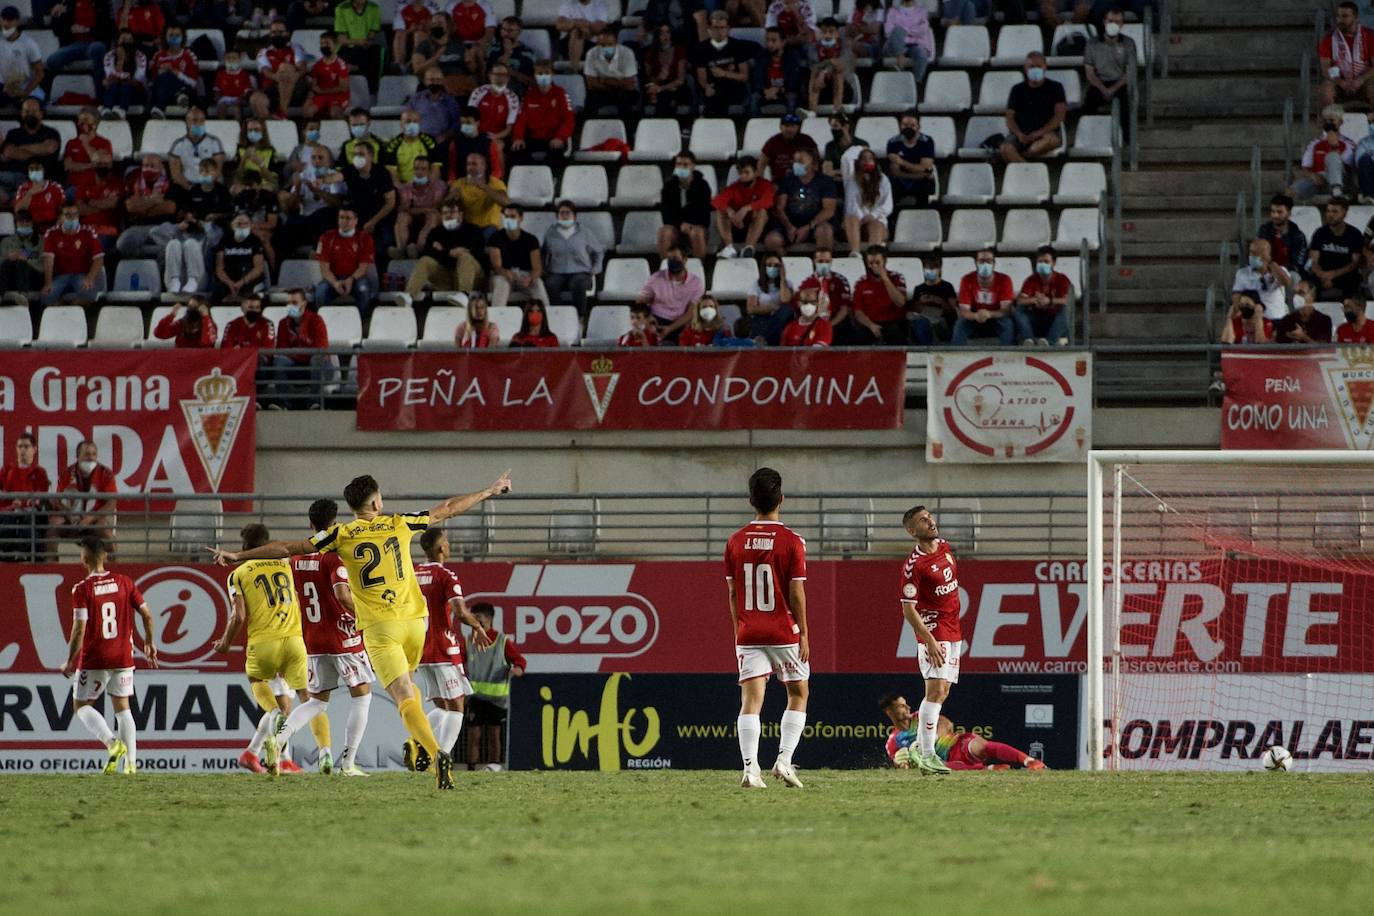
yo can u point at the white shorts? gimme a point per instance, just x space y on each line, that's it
279 688
949 671
444 681
87 685
761 661
327 672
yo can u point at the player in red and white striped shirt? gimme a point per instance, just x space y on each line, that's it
100 651
765 574
930 604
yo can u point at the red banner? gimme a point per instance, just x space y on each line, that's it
1312 399
165 421
1019 616
649 389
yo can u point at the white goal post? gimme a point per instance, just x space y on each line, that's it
1210 484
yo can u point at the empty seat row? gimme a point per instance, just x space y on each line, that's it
1023 230
972 46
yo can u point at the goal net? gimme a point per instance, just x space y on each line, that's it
1234 610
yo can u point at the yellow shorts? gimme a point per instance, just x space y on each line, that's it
394 647
268 658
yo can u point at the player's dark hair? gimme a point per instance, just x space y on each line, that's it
27 436
94 545
323 512
885 702
429 539
483 607
359 491
911 513
254 535
765 489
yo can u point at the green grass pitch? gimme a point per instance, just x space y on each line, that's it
664 842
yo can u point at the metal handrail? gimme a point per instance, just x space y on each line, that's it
1102 254
1305 89
1133 80
1085 283
1256 180
1210 313
1241 229
1288 142
1166 26
1224 274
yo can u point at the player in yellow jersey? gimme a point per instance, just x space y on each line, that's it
388 605
264 597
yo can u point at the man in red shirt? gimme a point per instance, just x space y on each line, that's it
301 328
765 579
497 105
146 21
234 86
1357 328
742 209
1345 55
281 65
985 301
810 328
930 604
545 122
194 329
89 515
100 652
781 148
22 525
175 73
1041 316
879 303
474 21
835 299
346 258
101 200
40 198
73 260
329 86
250 329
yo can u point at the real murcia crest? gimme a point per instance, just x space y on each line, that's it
214 418
1351 379
601 382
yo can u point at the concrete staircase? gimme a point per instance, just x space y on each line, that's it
1230 71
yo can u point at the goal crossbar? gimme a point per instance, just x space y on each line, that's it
1099 462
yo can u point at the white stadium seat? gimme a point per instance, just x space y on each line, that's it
1076 224
917 230
151 342
892 91
344 324
119 325
851 268
1016 268
441 325
796 268
1073 86
1014 42
876 132
1092 138
757 132
158 136
1069 266
120 136
565 324
941 129
713 139
638 186
995 89
1025 230
227 132
531 185
392 326
656 140
62 326
507 319
970 230
574 84
732 279
966 46
639 232
392 93
1061 32
301 273
585 185
1081 183
624 278
947 91
283 135
78 83
1307 218
978 129
221 315
149 281
970 183
539 13
599 224
16 326
596 131
606 324
1025 183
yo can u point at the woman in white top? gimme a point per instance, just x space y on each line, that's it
769 305
867 202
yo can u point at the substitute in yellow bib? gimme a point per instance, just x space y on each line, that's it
390 610
263 594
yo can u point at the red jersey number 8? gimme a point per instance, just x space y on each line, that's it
758 586
109 620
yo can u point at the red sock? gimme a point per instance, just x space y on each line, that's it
1002 753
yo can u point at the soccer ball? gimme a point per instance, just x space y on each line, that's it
1277 759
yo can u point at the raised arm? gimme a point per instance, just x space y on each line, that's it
276 550
460 607
457 505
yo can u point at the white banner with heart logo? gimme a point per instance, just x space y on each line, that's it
1009 406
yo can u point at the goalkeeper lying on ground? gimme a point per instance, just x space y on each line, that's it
959 750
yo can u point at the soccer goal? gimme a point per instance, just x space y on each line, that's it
1230 609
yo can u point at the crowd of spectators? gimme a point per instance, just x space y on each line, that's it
222 214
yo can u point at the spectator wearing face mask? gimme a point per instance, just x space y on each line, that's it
257 155
1108 62
867 203
186 242
642 332
544 128
810 328
240 261
400 152
373 193
176 73
685 208
833 296
742 209
78 157
470 140
31 143
301 328
100 201
185 155
189 325
1357 328
21 63
704 325
21 261
572 256
347 259
1304 324
612 74
1041 315
1266 278
1324 161
83 482
73 260
804 208
985 303
234 87
670 292
250 329
517 264
126 73
327 78
1245 323
831 64
39 197
418 213
936 294
534 328
780 150
440 114
281 69
879 303
769 304
911 161
497 104
1036 108
453 257
844 149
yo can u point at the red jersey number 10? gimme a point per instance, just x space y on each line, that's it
758 586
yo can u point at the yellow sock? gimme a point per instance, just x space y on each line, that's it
263 694
418 726
319 727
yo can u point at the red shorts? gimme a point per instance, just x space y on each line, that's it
326 100
959 751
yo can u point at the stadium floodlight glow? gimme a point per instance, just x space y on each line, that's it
1247 602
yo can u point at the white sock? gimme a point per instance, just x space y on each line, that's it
436 720
95 724
299 718
930 716
353 731
259 736
447 732
793 724
749 731
129 735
